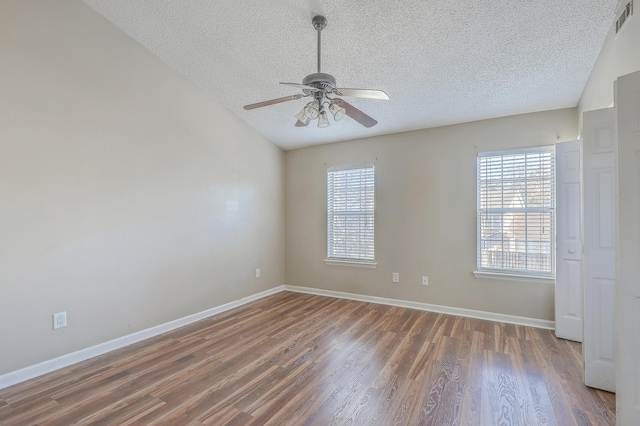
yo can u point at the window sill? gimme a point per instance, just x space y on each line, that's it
356 263
513 277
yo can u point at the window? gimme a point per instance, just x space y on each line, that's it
350 208
516 200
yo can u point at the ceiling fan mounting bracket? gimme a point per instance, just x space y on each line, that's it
319 22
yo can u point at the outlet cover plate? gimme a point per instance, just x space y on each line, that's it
59 320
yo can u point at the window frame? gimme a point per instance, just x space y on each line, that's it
332 259
507 273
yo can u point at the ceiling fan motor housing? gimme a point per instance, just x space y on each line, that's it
320 80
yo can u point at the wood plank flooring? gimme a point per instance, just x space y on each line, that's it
297 359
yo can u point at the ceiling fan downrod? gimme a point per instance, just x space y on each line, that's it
319 23
319 82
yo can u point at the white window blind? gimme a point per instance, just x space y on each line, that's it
350 208
516 221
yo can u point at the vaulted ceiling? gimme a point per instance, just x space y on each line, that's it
441 62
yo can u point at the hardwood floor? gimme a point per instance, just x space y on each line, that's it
294 359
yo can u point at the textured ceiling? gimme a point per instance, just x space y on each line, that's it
441 62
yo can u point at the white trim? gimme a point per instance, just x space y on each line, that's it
48 366
359 264
36 370
450 310
539 148
513 277
351 166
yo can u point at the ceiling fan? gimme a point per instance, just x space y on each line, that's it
322 87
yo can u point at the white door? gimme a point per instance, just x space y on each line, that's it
628 268
569 295
599 136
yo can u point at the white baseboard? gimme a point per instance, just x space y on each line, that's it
471 313
36 370
44 367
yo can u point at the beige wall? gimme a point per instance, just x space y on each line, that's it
620 55
425 214
128 198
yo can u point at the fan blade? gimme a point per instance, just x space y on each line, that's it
301 124
302 86
356 114
362 93
273 101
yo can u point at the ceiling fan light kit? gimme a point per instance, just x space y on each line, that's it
323 88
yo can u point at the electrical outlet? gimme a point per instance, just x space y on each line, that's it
425 280
59 320
258 273
396 277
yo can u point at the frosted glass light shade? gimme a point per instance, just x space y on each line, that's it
312 110
323 120
337 111
301 116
